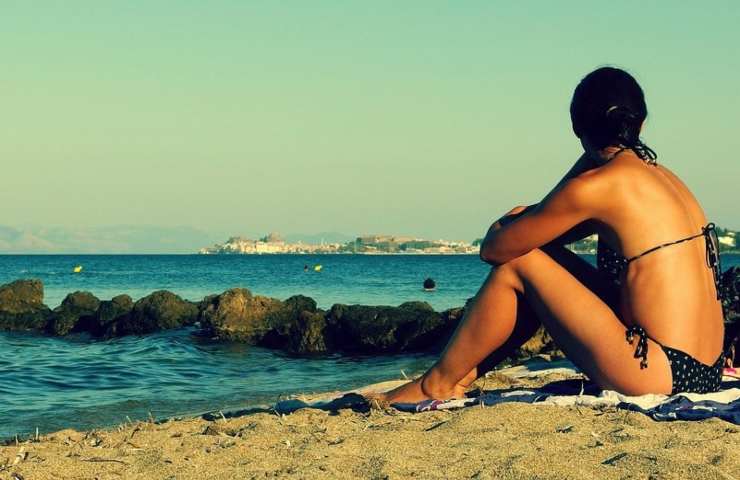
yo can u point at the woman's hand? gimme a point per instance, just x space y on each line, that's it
516 210
507 218
510 216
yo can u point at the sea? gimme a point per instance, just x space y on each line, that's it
77 382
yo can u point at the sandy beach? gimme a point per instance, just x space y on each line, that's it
507 441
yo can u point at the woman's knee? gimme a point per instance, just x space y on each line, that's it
515 270
532 258
503 272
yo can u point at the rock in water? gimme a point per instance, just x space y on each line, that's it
730 293
450 318
363 329
22 306
731 305
238 315
540 343
307 334
76 307
108 312
161 310
284 326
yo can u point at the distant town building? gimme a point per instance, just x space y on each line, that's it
272 237
399 244
367 244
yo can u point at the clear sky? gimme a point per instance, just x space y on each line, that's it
417 117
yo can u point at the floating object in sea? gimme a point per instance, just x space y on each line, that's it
77 269
429 285
317 268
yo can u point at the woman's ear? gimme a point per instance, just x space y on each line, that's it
586 146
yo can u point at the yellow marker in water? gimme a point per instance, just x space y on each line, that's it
77 269
318 268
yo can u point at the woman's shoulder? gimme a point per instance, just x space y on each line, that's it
612 186
599 177
617 173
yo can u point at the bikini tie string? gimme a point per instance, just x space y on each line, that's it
713 259
642 345
646 153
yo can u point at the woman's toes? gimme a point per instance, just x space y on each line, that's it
407 393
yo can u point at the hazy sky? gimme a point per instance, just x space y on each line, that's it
414 117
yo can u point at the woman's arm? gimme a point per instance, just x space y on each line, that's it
583 229
578 232
569 205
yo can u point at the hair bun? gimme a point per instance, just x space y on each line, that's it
619 112
608 109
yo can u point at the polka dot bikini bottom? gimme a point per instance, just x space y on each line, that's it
689 374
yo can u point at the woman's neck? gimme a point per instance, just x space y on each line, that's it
603 156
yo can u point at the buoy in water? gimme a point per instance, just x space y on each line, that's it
317 268
77 269
429 285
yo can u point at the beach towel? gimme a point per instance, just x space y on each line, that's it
724 404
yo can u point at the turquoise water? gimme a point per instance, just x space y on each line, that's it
54 383
368 279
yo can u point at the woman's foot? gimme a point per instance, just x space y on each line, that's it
426 387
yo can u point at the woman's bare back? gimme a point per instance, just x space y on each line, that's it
671 291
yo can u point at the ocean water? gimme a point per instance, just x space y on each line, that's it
53 383
368 279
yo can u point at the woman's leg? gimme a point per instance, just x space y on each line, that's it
501 320
581 319
495 323
527 321
587 329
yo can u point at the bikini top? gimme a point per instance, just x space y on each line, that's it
613 263
610 261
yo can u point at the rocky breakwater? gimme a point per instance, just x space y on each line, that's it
22 309
298 326
295 325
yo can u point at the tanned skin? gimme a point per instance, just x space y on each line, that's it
633 206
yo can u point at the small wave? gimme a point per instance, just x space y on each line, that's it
91 383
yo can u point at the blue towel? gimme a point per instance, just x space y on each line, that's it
676 407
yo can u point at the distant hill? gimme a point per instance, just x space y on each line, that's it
126 239
109 239
13 240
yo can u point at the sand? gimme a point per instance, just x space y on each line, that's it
507 441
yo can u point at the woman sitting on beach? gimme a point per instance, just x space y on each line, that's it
648 318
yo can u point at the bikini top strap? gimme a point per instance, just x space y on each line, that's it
667 244
709 232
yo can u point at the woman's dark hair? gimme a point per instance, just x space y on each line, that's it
608 108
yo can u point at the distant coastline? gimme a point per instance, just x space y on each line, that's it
363 245
397 245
